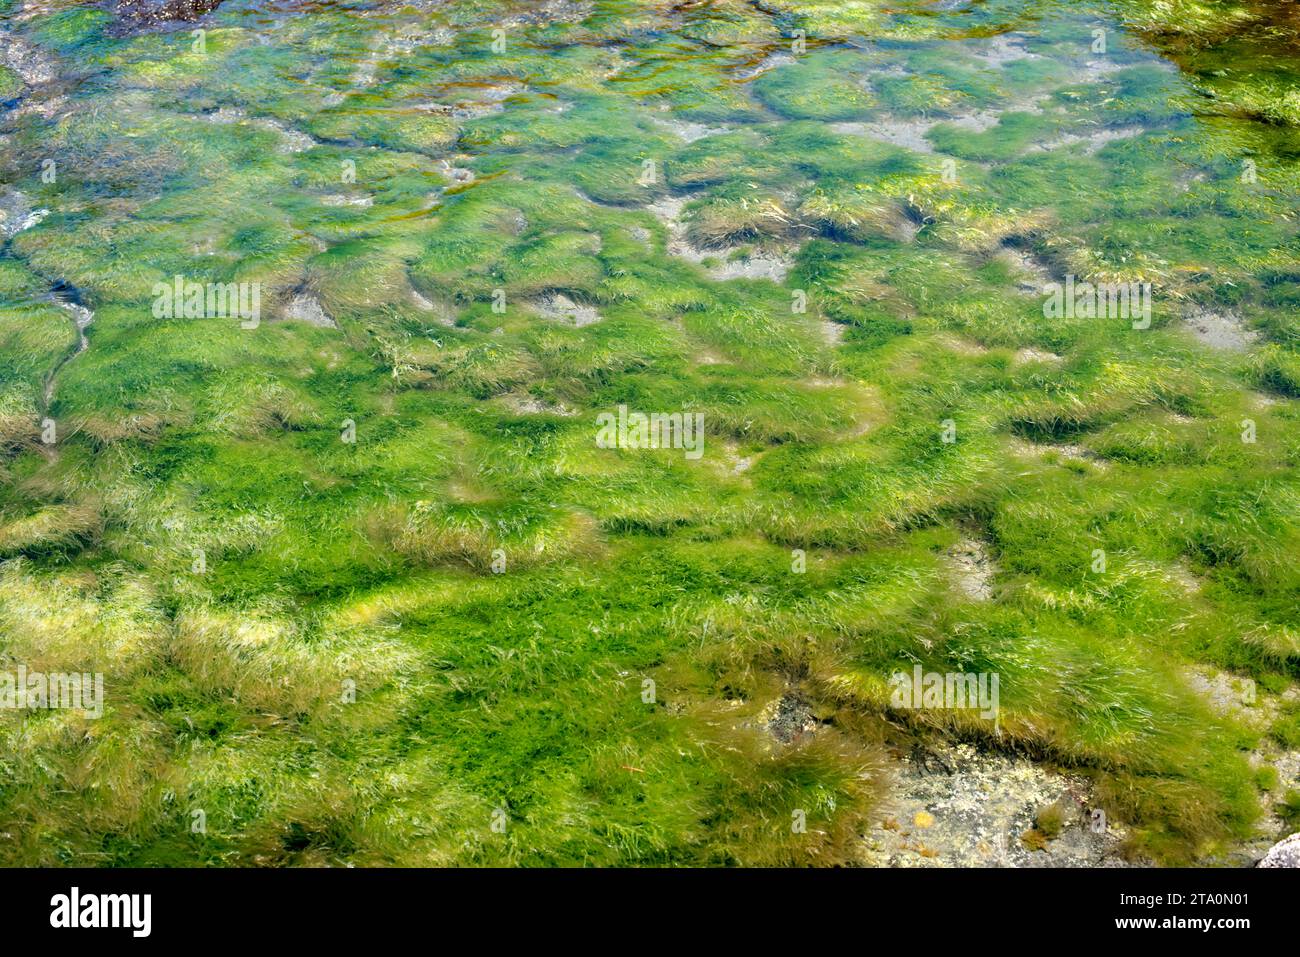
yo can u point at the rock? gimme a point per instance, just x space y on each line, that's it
559 306
306 308
30 62
1285 853
17 214
788 718
162 11
973 806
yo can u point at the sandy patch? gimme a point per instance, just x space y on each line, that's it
908 133
788 719
291 140
559 306
1089 143
1219 330
338 199
445 314
458 175
973 568
305 307
524 404
1027 355
832 332
1232 696
769 62
1064 451
1032 275
722 263
1005 48
688 131
31 63
962 346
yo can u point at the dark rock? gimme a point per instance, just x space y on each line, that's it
139 13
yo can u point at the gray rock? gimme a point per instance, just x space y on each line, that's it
1285 853
30 62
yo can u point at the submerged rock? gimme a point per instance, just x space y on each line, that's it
1285 853
307 308
559 306
144 13
31 63
17 213
956 806
788 718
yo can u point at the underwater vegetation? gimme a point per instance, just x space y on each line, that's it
309 314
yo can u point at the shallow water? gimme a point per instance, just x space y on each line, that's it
830 229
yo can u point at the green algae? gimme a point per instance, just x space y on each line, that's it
11 84
495 584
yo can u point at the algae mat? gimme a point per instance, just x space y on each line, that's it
648 433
